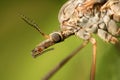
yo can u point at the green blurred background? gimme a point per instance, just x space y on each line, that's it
17 39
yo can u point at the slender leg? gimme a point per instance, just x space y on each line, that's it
64 61
93 67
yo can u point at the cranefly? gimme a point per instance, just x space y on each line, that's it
77 17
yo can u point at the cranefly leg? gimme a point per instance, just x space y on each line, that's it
64 61
93 67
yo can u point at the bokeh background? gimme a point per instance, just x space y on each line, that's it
17 39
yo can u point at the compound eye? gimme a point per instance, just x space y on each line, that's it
56 37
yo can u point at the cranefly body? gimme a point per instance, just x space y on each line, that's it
100 20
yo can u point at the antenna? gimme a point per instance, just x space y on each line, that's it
33 24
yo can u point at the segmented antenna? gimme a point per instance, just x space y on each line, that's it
33 24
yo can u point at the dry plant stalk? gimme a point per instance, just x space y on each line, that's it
82 18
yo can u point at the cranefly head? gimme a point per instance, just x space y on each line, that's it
54 37
51 39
